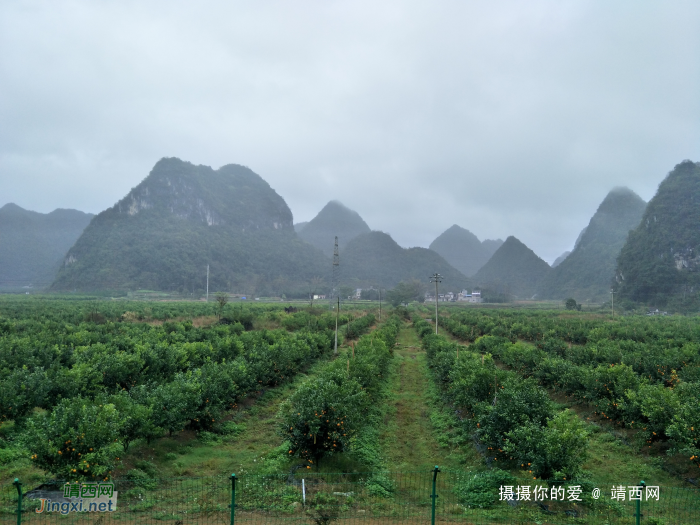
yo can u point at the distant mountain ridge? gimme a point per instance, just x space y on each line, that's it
514 270
463 250
334 220
585 275
181 218
32 244
560 259
375 259
660 262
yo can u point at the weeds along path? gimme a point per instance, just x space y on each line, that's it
410 438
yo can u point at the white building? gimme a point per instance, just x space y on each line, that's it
466 296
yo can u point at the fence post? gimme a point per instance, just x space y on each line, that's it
434 495
233 498
639 505
18 484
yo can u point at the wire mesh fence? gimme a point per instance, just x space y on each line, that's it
307 497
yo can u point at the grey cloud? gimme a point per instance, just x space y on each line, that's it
506 118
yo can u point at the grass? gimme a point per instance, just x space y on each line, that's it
418 429
245 451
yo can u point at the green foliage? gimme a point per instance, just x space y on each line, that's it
321 417
181 218
512 418
514 270
658 264
150 379
554 451
77 440
684 430
406 292
141 479
517 403
570 304
481 490
640 372
324 415
359 326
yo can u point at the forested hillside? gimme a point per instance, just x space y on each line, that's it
586 273
463 250
334 220
182 217
33 244
376 259
514 270
659 263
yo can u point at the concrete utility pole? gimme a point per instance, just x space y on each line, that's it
337 313
207 283
436 278
380 304
612 302
335 275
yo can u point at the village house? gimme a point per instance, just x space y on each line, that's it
466 296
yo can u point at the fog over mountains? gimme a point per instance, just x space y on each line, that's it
33 245
463 250
334 220
183 217
514 270
586 274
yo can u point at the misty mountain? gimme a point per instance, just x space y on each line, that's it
585 275
513 270
180 219
32 245
375 259
298 226
560 259
660 262
333 220
463 250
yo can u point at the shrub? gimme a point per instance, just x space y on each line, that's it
481 490
77 440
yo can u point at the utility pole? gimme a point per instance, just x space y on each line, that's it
337 313
380 304
436 278
207 283
335 276
612 302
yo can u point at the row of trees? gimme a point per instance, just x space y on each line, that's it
632 373
100 387
663 411
513 418
326 412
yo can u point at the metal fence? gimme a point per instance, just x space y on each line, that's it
364 498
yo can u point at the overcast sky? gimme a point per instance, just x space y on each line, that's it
507 118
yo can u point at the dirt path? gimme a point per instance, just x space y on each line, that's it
409 436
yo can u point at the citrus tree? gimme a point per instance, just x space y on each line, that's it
321 417
77 440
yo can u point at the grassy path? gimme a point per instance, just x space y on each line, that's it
186 455
416 434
